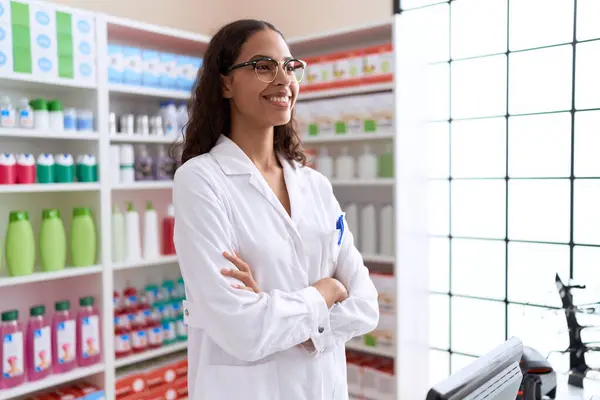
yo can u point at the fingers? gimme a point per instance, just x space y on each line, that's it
242 287
237 274
237 261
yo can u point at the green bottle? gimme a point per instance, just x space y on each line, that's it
83 238
53 241
20 244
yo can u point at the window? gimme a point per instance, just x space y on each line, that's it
514 150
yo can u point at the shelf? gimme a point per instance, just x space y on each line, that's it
150 354
349 137
378 258
144 185
131 90
50 187
385 352
47 134
33 82
363 182
143 139
145 263
347 91
68 272
50 382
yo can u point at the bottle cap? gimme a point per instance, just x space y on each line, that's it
86 301
130 206
37 311
80 211
149 205
151 288
180 280
171 210
18 216
50 213
39 104
62 305
54 105
11 315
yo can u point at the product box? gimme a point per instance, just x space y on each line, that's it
386 289
44 56
151 68
85 68
84 47
5 12
384 335
187 71
6 51
83 27
42 19
116 63
377 63
168 71
132 61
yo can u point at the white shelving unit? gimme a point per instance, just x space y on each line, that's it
101 280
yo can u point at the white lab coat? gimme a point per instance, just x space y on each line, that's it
249 346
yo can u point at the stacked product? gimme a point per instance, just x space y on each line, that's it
52 243
155 379
61 168
126 241
345 166
148 319
351 68
370 377
363 224
49 345
131 163
78 391
170 121
144 67
44 115
373 114
40 41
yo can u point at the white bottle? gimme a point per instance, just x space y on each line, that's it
325 163
169 117
127 163
25 114
151 250
353 222
7 113
368 231
133 251
115 164
118 235
344 166
367 164
386 230
182 119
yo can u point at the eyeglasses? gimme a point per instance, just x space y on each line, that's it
266 68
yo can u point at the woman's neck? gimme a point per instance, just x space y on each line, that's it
257 144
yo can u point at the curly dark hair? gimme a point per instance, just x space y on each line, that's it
209 114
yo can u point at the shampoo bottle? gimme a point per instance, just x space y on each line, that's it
8 169
344 166
26 168
63 338
353 225
386 230
83 238
151 250
368 233
168 247
64 168
127 164
38 347
45 168
367 164
144 170
20 244
132 234
53 241
88 333
118 236
12 351
325 163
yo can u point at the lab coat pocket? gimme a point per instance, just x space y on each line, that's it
251 382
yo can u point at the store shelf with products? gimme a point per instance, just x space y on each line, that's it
144 185
118 138
362 89
67 272
348 137
47 134
145 263
363 348
50 187
130 90
150 354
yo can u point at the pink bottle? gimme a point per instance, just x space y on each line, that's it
63 338
12 350
88 333
8 169
38 350
26 168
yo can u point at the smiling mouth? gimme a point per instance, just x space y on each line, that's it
282 101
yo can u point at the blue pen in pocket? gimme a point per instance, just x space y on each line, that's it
340 226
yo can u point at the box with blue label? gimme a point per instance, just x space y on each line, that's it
151 68
42 19
84 47
84 68
6 50
132 61
84 27
116 63
168 71
5 12
187 70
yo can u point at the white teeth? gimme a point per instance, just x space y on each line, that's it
275 99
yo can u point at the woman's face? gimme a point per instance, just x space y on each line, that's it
265 104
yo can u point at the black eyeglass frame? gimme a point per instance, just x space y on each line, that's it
283 64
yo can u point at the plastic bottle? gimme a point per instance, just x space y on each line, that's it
38 345
367 164
133 250
7 113
45 168
12 353
63 338
127 164
353 222
139 340
368 231
385 163
53 241
164 168
386 230
20 244
25 115
182 118
64 168
8 169
180 328
151 246
168 225
168 324
85 121
344 165
86 168
325 163
169 117
83 238
25 168
118 235
144 165
56 116
70 120
155 333
88 333
122 328
41 118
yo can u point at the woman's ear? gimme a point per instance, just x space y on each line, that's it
226 87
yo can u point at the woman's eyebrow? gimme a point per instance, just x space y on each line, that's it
259 56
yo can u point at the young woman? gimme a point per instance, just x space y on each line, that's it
275 286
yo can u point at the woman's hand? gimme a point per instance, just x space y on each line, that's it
242 273
332 290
